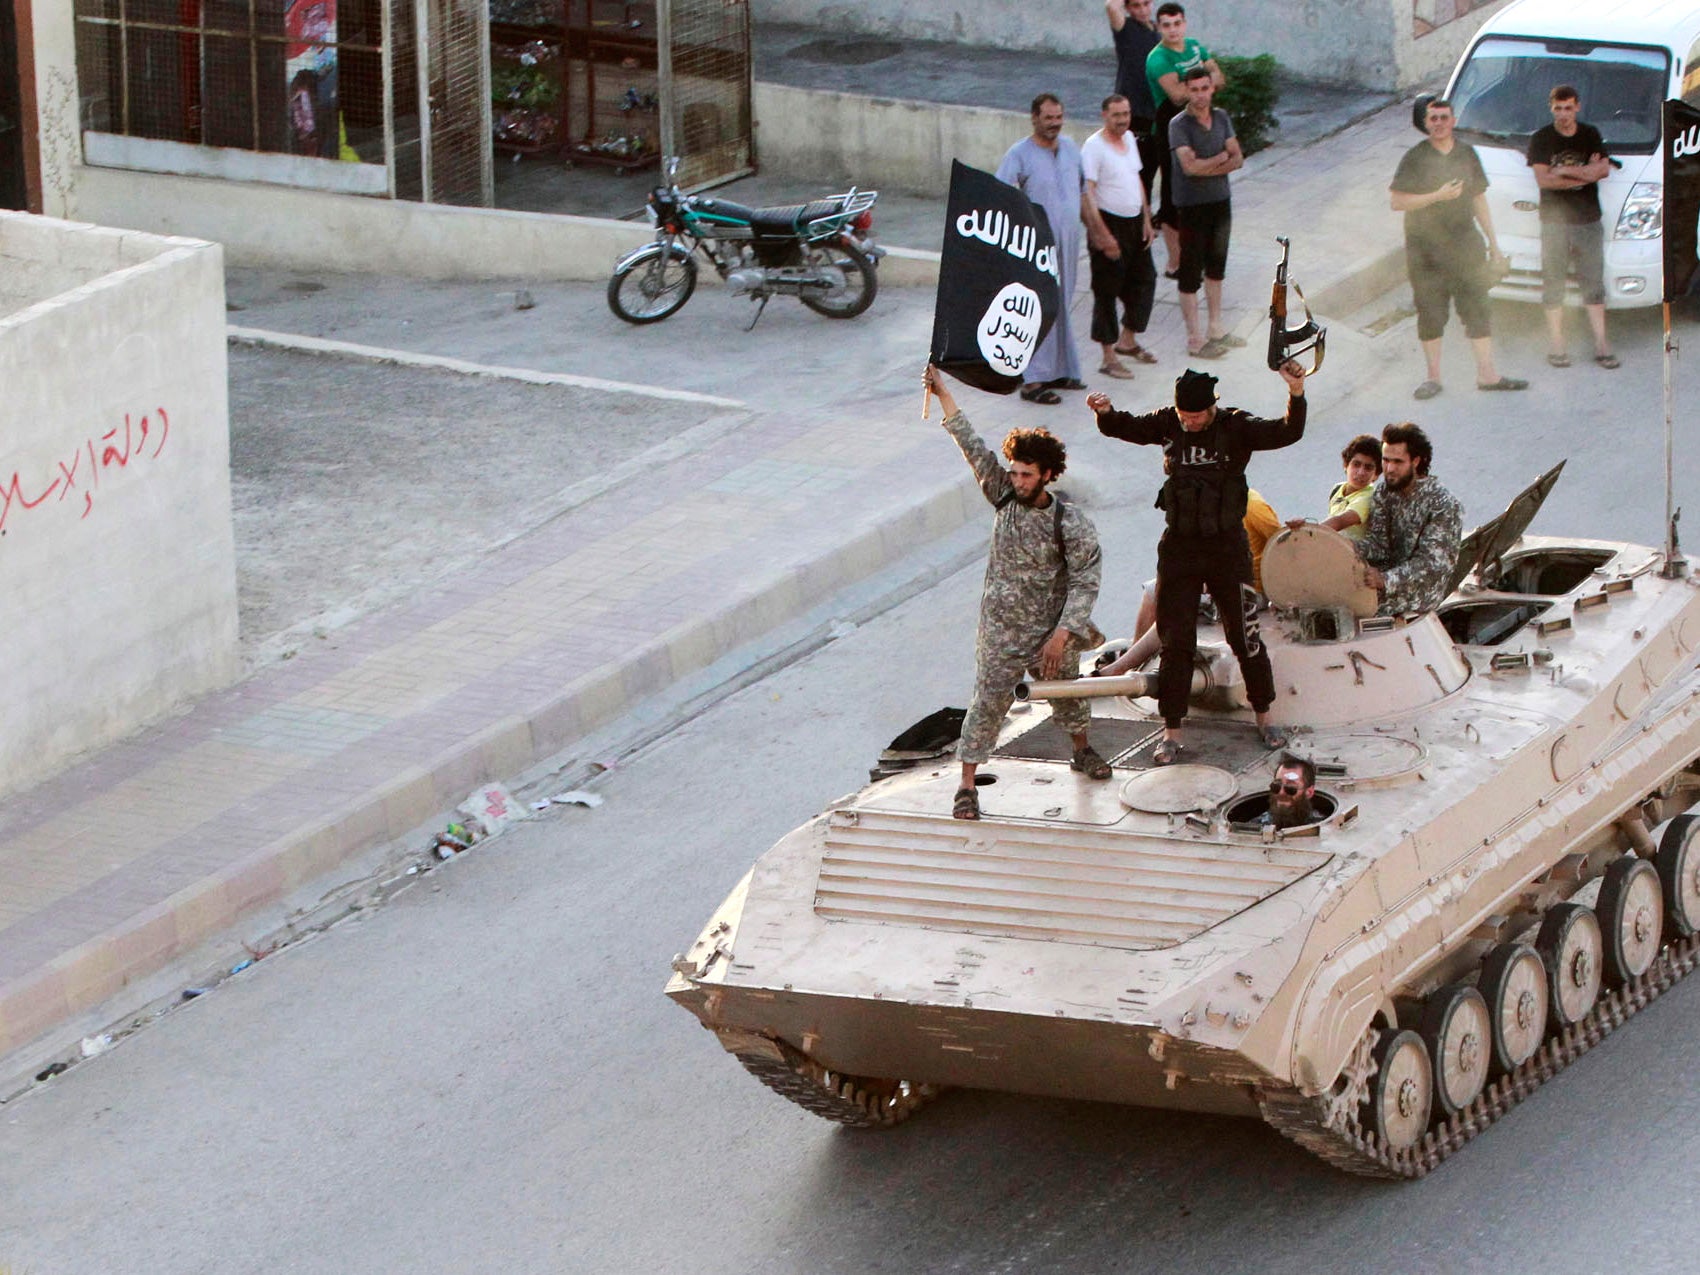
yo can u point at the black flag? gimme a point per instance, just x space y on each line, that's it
998 285
1682 195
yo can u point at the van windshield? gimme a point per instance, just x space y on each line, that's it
1500 95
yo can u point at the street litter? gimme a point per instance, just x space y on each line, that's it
577 797
189 993
241 965
540 805
492 808
93 1045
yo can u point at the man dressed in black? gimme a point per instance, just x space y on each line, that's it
1205 451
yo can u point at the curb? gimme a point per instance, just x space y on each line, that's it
82 979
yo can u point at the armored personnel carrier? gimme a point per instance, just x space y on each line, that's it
1501 869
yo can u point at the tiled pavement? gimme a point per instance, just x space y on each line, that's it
135 855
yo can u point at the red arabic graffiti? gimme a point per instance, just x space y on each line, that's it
115 450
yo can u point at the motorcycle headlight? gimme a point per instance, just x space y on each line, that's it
1643 215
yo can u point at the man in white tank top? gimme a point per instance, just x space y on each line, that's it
1118 231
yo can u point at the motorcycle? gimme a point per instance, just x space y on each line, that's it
821 252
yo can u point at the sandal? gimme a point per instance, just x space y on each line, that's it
1504 383
1228 341
1089 763
1167 752
1558 360
1211 349
1273 736
1607 361
1138 353
1040 394
1428 389
1118 370
1066 383
966 805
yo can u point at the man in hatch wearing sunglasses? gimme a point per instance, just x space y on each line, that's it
1290 793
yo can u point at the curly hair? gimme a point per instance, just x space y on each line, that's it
1363 445
1036 447
1416 444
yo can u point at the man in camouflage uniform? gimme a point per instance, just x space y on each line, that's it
1415 525
1041 581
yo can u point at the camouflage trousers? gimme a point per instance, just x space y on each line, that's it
995 676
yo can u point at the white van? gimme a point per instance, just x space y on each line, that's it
1624 60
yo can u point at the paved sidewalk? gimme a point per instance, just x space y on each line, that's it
136 855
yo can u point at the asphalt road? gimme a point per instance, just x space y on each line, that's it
483 1075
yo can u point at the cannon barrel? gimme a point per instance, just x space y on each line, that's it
1098 687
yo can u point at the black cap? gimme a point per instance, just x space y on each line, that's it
1195 391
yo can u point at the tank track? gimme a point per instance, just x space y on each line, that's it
845 1100
1341 1140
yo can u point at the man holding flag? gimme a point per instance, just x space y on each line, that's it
1042 578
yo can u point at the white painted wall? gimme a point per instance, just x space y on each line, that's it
117 562
315 230
1360 42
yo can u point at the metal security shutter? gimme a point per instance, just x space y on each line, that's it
705 89
454 92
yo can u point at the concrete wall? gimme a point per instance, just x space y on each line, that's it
316 230
117 562
889 144
1360 42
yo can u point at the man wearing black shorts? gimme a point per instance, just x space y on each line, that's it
1442 190
1174 54
1205 151
1570 160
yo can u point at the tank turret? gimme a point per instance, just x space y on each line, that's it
1499 868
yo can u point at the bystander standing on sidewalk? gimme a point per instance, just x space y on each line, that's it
1135 34
1165 66
1442 190
1118 233
1570 160
1205 151
1046 168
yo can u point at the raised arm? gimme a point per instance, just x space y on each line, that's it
1117 11
987 466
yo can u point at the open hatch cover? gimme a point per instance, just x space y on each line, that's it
1483 548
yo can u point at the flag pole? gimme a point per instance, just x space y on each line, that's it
1674 564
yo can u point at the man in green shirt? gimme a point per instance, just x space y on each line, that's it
1165 69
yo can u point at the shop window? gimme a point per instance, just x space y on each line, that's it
287 77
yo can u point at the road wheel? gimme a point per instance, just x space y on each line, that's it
1678 865
1514 985
1401 1093
861 1102
652 284
1569 943
1630 909
854 283
1456 1029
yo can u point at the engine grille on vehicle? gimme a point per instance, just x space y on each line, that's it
1080 886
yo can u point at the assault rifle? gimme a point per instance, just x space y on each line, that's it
1286 343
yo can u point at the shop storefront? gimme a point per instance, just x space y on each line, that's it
410 99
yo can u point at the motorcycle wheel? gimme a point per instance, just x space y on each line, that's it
860 284
653 284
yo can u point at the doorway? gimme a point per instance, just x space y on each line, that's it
14 192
